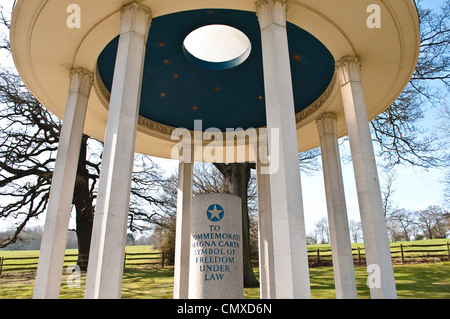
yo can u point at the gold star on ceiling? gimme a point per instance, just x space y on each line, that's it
297 57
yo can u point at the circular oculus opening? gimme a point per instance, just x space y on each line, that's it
217 47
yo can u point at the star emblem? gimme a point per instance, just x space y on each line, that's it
215 213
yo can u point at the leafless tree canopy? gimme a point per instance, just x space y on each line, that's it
398 131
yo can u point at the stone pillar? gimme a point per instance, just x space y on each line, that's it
289 237
344 274
183 233
105 268
376 241
266 262
53 246
216 267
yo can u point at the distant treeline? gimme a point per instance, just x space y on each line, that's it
30 239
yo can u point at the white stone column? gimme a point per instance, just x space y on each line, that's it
105 268
344 273
53 246
265 235
183 231
289 237
376 243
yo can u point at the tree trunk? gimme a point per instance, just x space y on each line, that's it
237 176
82 200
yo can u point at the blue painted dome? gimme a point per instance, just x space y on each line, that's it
175 91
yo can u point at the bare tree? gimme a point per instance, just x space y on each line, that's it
308 161
433 221
322 231
397 130
29 137
445 125
149 205
236 181
446 182
355 230
387 191
401 225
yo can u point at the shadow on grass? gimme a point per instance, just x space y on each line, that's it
148 283
423 281
418 281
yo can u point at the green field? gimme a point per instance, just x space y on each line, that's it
414 281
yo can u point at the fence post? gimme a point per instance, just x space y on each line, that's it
318 255
403 256
1 265
162 259
124 260
359 255
448 250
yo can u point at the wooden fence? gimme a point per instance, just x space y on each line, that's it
402 252
30 263
140 259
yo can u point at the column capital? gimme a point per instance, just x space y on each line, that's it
81 81
259 3
135 18
349 69
326 124
271 12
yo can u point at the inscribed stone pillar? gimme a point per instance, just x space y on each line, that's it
289 235
376 241
106 260
53 246
216 268
344 274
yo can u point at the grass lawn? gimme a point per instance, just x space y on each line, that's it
414 281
